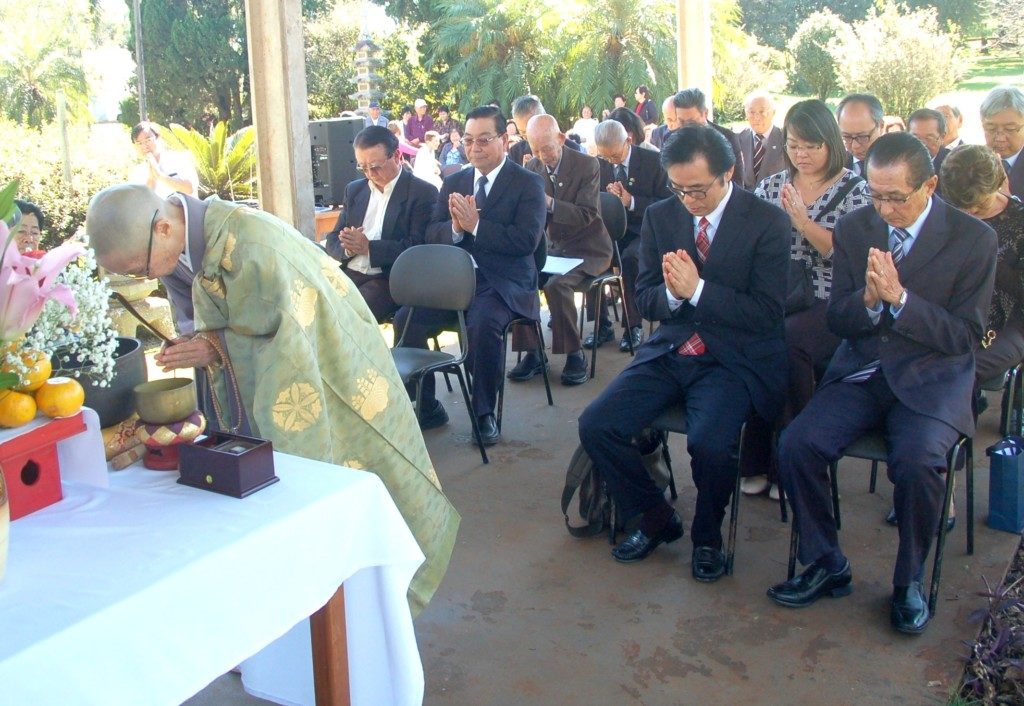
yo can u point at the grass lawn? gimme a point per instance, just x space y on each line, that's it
987 72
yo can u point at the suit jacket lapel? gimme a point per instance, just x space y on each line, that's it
729 230
360 200
928 243
499 185
395 204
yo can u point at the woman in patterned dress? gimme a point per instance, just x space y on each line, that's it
815 189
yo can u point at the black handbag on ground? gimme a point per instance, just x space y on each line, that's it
799 280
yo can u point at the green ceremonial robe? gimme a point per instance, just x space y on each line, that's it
315 375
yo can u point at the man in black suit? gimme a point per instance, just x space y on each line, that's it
496 211
634 175
911 284
929 126
692 109
1002 119
713 272
860 117
383 214
524 108
761 143
668 110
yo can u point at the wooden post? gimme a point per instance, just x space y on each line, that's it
693 46
65 150
330 653
277 75
140 69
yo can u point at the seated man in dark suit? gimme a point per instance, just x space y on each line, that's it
929 126
575 229
1002 119
524 108
713 272
383 214
692 109
668 110
911 283
634 175
495 211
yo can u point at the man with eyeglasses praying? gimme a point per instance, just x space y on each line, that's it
860 117
713 264
911 282
1002 120
164 171
383 214
314 375
497 212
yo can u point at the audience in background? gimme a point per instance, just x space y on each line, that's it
761 143
584 126
860 117
1002 119
954 121
29 231
668 110
929 126
645 109
692 109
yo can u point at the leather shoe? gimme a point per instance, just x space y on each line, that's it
708 564
604 334
754 485
526 368
435 417
575 370
638 545
909 612
637 334
489 433
891 519
815 582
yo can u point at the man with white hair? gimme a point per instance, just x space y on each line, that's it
1002 119
636 177
954 121
761 143
313 374
419 124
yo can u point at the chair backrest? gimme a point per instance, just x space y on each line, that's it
433 276
613 213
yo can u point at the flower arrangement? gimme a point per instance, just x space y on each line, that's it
52 306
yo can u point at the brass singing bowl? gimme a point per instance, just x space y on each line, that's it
166 401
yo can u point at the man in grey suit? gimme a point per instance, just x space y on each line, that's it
761 143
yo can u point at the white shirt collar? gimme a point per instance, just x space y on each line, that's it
186 255
491 175
915 228
388 188
1012 159
715 217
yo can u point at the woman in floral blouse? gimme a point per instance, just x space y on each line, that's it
815 190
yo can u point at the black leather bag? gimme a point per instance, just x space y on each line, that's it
799 282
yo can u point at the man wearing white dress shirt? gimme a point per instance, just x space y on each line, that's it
954 121
761 143
162 170
860 117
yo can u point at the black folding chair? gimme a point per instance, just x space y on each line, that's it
872 447
1012 384
414 278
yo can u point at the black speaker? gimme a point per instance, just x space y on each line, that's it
334 158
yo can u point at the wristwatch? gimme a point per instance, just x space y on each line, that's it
903 299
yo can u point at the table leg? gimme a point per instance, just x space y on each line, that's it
330 652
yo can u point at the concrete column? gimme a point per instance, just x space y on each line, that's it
693 45
277 76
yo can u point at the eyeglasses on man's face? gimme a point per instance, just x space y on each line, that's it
861 138
1001 130
367 168
149 250
891 199
695 194
482 141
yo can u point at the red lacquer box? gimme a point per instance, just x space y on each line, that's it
31 467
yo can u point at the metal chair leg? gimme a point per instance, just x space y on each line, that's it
794 538
447 381
784 516
472 417
625 317
947 503
874 476
668 464
540 354
598 308
833 477
969 477
734 515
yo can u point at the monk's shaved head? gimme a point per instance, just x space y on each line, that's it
118 224
542 126
545 139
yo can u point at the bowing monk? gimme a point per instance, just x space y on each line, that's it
314 374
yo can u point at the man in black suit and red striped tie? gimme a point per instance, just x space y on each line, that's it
713 265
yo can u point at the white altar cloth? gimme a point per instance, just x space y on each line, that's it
146 591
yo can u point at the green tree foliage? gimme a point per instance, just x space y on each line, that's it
741 65
226 164
901 56
330 68
813 62
36 62
773 22
404 78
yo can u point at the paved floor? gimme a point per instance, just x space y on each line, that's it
529 615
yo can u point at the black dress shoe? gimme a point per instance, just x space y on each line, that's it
489 433
637 334
638 545
708 564
891 519
604 334
526 368
434 417
909 612
575 370
815 582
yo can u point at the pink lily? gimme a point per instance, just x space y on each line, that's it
26 284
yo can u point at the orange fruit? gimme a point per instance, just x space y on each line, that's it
16 408
39 370
60 397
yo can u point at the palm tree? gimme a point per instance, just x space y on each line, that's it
34 68
226 164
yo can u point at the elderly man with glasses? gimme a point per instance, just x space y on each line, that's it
382 214
860 117
911 282
314 375
1002 119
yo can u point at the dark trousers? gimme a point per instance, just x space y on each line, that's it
486 319
1004 353
559 292
376 291
838 415
630 271
717 404
810 346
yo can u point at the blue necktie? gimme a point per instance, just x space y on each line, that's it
481 194
899 237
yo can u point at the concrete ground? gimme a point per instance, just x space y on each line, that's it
530 615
